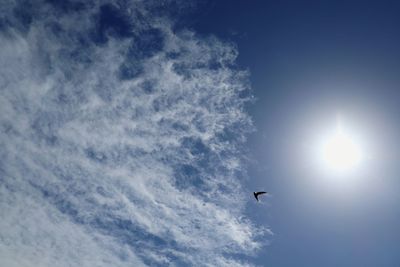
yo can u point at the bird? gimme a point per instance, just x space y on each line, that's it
256 194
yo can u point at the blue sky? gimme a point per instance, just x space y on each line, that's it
134 132
310 61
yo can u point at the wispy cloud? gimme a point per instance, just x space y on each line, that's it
121 139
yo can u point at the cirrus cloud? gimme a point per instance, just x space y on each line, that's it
121 139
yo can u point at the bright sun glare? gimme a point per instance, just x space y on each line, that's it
340 151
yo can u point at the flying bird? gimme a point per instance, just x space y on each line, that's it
256 194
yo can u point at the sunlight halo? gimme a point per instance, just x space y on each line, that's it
340 151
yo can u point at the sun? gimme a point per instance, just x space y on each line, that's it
340 151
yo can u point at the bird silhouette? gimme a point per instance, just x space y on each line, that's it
256 194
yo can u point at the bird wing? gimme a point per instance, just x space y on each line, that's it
259 193
256 195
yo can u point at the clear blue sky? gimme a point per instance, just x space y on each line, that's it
310 60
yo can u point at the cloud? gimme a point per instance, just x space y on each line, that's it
121 139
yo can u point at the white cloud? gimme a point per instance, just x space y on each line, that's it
119 147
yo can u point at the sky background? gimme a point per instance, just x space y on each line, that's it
310 61
133 133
